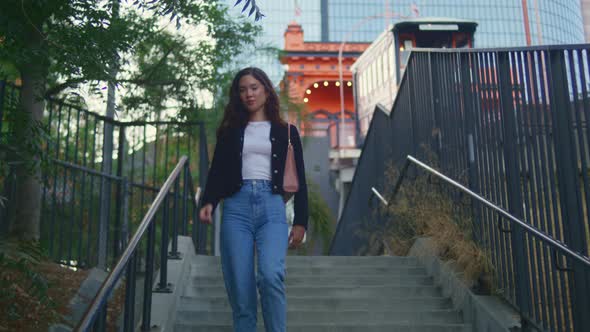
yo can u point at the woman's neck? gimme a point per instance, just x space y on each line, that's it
258 116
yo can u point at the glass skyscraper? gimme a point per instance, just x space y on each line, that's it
501 22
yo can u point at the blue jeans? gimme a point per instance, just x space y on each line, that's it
255 215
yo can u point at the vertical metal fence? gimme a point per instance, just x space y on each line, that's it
89 211
510 124
9 99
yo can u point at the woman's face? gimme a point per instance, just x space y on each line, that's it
252 93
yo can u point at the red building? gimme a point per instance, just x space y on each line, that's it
312 77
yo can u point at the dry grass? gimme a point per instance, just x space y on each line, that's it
28 312
31 314
424 208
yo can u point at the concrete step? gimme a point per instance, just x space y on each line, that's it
337 327
327 294
327 280
327 262
330 316
220 303
213 271
343 292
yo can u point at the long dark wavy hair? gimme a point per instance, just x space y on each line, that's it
236 115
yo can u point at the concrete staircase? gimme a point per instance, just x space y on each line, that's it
329 294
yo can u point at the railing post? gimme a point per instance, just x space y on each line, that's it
569 186
435 107
174 254
203 169
185 199
149 278
411 112
468 110
118 240
100 322
129 313
126 191
164 286
105 194
521 268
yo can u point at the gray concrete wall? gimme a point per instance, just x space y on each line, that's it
317 168
485 313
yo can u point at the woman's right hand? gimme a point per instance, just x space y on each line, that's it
205 213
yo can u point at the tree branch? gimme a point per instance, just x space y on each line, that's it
136 81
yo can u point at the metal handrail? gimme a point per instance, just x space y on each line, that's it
108 285
532 230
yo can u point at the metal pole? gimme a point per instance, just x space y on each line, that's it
569 186
163 285
149 278
118 237
107 156
185 199
129 313
174 254
125 213
521 267
470 115
527 27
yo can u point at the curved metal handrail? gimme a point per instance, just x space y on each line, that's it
108 285
532 230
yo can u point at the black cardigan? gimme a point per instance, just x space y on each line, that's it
225 175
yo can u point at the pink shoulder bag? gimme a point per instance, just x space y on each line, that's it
290 179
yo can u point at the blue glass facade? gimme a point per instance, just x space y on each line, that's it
500 21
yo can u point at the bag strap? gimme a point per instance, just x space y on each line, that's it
289 132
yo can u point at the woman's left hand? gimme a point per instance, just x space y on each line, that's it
296 236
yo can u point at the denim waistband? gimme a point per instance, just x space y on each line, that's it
257 182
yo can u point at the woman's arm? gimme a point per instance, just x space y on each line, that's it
213 186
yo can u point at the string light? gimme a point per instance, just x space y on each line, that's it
308 91
305 100
326 83
315 85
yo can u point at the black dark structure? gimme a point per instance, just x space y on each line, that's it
152 198
511 125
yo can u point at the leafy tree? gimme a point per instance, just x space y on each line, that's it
59 44
253 8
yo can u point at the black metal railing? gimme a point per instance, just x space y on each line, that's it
510 124
554 244
95 317
91 203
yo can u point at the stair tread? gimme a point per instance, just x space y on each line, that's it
348 293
